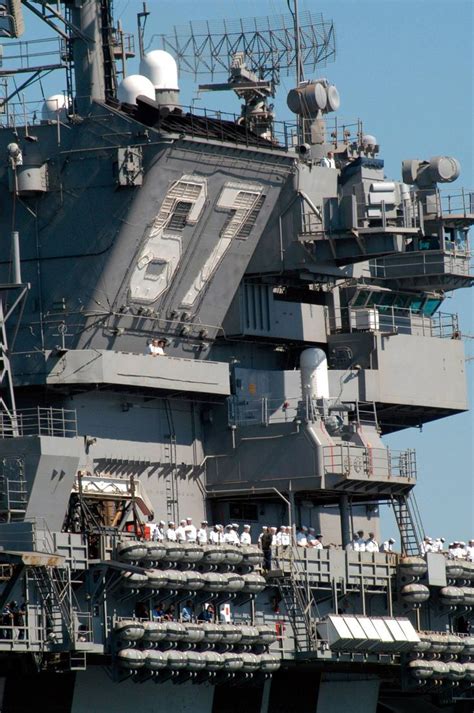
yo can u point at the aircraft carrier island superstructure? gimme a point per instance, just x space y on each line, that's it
298 293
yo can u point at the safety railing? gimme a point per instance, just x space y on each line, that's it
385 319
40 421
421 263
263 411
351 461
447 202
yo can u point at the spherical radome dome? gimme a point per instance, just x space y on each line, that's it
54 107
132 87
161 69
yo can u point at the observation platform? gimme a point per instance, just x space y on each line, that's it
166 373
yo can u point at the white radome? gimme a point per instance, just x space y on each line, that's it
161 69
134 86
54 107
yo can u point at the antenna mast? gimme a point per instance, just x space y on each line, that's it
254 53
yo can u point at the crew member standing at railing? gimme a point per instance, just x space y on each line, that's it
266 545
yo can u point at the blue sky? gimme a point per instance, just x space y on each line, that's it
405 67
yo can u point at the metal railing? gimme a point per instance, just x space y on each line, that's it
421 263
447 202
351 461
40 421
263 411
442 325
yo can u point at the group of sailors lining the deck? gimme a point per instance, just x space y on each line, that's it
269 537
456 550
203 535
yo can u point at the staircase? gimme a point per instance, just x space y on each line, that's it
53 585
301 609
409 523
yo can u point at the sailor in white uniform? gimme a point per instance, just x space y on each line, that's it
159 532
359 541
387 545
328 161
285 537
190 531
371 544
171 532
245 537
201 534
181 532
214 535
318 545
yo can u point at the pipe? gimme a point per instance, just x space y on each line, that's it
345 519
16 257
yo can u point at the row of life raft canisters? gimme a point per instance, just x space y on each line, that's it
192 567
443 658
210 647
458 592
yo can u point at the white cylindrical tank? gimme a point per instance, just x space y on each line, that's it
232 554
230 634
134 86
269 663
134 580
415 593
129 629
419 668
413 566
314 374
214 661
131 658
154 631
254 583
212 633
156 660
155 551
194 633
213 554
161 69
451 596
131 550
54 108
192 552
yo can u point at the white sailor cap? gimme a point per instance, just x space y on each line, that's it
391 539
189 518
235 525
246 527
304 528
171 522
182 522
311 529
204 522
162 522
228 527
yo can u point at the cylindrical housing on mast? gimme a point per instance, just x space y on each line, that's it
88 55
314 374
16 257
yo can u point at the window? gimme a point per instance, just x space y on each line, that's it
243 511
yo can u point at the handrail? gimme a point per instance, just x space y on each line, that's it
401 320
39 421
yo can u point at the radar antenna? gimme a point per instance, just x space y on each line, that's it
270 45
254 53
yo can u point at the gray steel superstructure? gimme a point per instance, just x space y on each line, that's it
298 297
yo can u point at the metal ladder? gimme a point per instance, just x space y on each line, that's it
170 457
53 585
409 523
300 607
